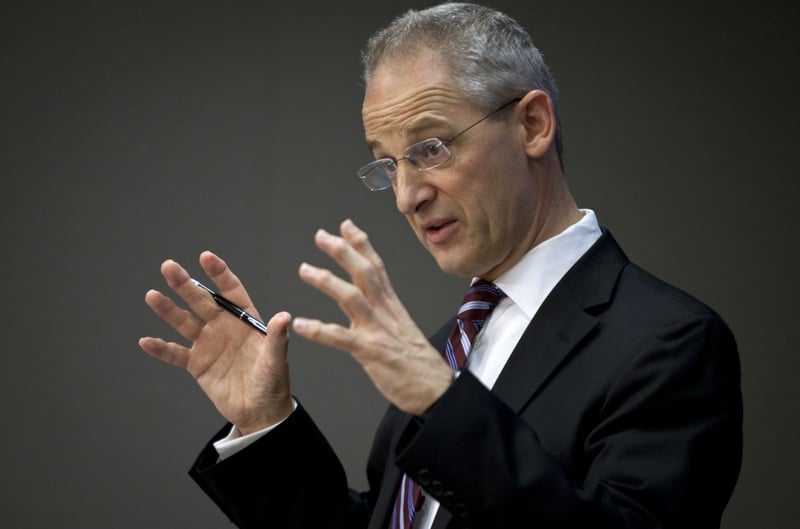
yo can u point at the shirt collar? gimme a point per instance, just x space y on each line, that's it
530 281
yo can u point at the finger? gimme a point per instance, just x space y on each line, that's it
359 240
168 352
226 281
179 280
349 297
367 275
180 319
328 334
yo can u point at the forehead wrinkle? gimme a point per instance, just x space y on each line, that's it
406 115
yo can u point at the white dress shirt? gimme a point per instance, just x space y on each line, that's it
526 286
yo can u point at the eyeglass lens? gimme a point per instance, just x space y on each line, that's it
426 154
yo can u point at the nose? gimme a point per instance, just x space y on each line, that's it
412 189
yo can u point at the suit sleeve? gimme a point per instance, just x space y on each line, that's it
290 478
663 451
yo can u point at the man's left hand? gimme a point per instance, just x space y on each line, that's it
382 337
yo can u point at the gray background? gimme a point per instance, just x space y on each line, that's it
133 133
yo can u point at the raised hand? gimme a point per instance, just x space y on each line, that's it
243 372
381 336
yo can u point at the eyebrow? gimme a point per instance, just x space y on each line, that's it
414 129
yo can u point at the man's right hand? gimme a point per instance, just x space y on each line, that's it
244 373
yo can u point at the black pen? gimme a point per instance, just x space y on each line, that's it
234 309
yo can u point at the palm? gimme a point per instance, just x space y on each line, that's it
244 373
232 366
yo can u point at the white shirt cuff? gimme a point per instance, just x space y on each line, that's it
236 442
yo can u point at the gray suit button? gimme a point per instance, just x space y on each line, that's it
460 510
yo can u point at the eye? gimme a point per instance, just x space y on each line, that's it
434 149
430 153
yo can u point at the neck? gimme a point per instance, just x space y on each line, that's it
556 209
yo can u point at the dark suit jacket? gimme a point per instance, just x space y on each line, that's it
619 407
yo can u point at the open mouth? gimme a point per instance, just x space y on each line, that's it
438 232
438 225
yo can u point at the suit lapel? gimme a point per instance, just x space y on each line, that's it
557 328
563 320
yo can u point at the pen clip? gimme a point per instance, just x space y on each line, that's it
201 285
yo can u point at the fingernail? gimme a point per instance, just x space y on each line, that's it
300 324
307 270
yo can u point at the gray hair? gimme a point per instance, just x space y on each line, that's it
490 55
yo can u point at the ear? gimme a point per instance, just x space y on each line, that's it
539 120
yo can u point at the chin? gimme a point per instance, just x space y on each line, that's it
455 267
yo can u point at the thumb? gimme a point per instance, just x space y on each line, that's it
278 331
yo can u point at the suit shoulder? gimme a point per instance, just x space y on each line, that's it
647 295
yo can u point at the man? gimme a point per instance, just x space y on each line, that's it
594 396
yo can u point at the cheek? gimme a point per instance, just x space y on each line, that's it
507 206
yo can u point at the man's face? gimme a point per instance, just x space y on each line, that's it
475 214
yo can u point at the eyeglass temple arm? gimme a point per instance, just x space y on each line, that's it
487 116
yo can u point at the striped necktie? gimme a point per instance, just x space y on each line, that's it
478 303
